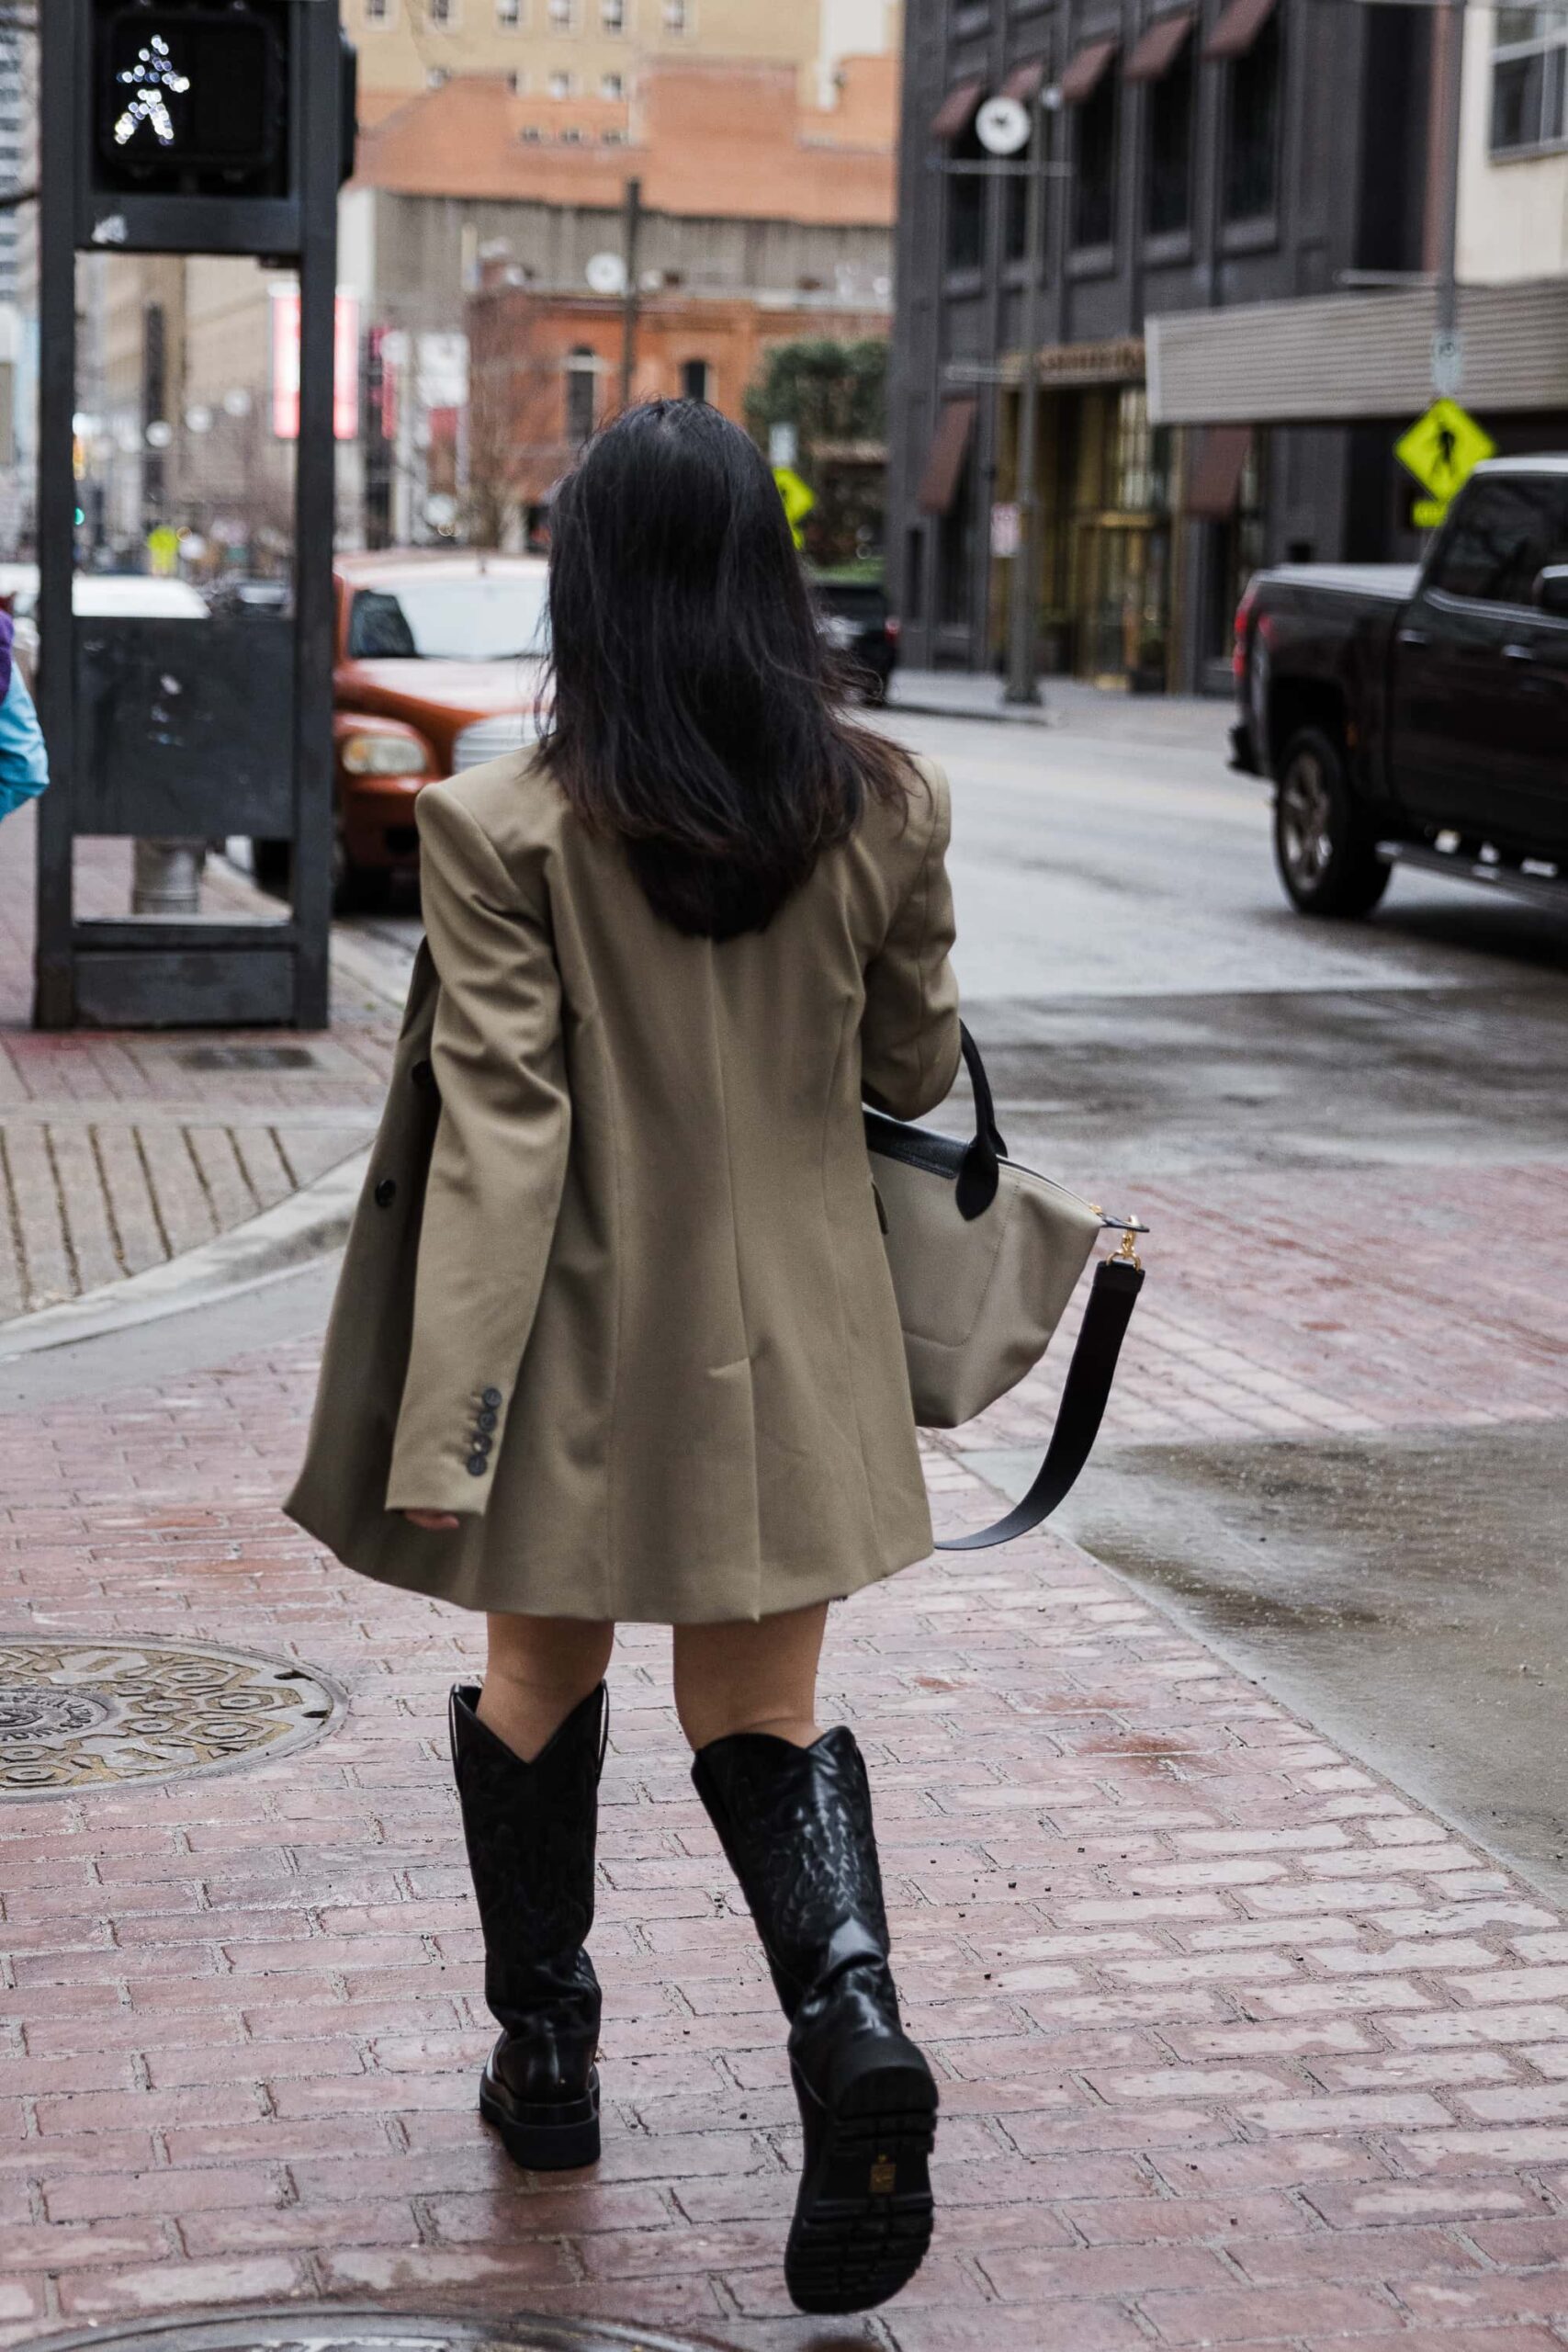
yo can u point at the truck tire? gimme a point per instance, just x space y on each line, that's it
1324 846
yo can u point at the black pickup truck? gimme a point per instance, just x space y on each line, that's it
1419 714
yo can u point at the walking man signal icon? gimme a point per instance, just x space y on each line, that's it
153 78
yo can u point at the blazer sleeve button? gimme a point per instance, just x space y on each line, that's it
386 1192
478 1465
491 1399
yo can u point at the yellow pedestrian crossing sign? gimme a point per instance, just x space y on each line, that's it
798 497
1442 450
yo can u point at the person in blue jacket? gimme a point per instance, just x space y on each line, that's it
24 762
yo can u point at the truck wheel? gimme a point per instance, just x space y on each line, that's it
1325 851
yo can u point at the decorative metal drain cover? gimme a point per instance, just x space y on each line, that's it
96 1714
337 2327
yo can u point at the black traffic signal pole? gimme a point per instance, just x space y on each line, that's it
245 764
315 509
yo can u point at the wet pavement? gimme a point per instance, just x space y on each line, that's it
1236 2044
1406 1594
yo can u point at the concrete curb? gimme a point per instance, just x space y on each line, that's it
1020 715
280 1240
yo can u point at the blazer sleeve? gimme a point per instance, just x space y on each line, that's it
497 1166
909 1042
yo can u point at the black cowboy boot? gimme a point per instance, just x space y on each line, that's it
530 1830
795 1824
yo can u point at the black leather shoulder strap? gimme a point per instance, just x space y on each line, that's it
1114 1293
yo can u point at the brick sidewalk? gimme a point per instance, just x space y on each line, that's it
119 1151
1237 2045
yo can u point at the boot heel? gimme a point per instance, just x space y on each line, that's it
863 2222
560 2136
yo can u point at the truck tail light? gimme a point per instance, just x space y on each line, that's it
1239 648
892 629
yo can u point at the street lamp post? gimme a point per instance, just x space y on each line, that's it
1007 130
1022 685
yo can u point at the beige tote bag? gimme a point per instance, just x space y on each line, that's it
985 1256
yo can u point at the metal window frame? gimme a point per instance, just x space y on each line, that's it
1514 53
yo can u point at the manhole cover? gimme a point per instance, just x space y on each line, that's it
92 1714
334 2328
250 1058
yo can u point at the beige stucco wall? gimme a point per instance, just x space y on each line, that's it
1513 215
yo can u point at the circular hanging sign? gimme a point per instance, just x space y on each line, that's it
1002 126
606 274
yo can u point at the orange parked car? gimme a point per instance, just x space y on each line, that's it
437 664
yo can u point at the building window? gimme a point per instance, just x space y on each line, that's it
1252 129
563 15
966 204
1094 205
611 87
378 12
914 574
695 376
1168 186
613 16
1496 546
1529 70
443 15
581 395
509 14
677 17
560 85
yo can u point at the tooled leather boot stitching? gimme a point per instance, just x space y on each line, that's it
795 1824
530 1830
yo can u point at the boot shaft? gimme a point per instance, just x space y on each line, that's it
531 1829
795 1825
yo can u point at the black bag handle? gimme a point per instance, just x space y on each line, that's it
979 1176
1117 1282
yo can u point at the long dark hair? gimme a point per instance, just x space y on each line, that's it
698 713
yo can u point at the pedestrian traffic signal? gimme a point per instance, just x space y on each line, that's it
190 100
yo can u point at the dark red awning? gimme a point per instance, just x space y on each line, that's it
1238 28
1026 81
1085 70
1215 482
957 110
1158 48
945 459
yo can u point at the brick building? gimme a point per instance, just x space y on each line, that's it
763 221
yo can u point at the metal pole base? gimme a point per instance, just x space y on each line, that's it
166 878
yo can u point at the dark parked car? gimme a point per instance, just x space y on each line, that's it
859 624
1419 714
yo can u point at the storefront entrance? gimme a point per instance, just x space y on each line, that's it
1106 586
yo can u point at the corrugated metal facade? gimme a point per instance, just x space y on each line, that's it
1356 356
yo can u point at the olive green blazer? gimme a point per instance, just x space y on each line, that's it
616 1290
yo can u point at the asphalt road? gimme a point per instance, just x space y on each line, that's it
1150 1006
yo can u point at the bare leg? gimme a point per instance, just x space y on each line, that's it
538 1669
750 1678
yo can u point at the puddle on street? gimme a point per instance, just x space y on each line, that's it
1408 1593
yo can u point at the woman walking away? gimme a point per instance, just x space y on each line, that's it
616 1336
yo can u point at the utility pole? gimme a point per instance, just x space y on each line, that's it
631 230
1022 631
1447 363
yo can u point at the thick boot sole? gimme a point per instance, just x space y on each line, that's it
557 2135
863 2221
